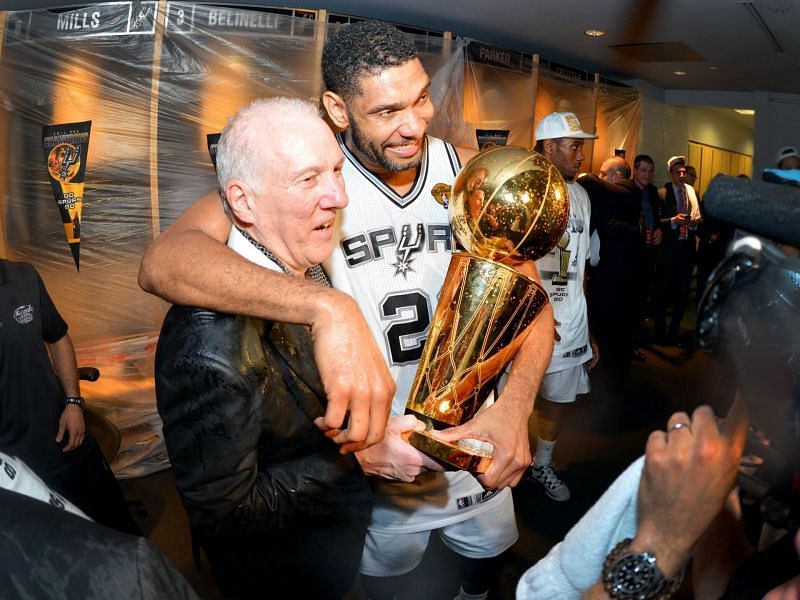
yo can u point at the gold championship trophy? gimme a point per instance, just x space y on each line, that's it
508 205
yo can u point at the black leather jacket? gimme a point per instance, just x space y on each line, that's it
238 397
77 558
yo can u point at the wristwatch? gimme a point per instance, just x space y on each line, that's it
629 575
74 400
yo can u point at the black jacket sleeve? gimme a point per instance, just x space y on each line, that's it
238 423
77 558
614 211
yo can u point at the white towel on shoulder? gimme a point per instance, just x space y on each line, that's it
575 564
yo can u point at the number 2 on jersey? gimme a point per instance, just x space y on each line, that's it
409 317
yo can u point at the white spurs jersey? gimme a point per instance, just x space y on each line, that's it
391 254
562 272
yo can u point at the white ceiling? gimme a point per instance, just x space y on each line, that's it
722 32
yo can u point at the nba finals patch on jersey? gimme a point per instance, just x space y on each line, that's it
441 192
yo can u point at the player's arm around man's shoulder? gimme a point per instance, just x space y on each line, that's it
505 423
190 264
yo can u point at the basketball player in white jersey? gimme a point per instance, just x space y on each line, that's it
560 139
394 245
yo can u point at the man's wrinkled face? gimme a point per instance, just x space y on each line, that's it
389 118
304 190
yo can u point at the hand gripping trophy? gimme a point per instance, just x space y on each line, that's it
509 205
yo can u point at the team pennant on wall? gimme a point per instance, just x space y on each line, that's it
66 148
491 138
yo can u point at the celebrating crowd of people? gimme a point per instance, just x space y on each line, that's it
283 370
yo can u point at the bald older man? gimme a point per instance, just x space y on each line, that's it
612 294
279 511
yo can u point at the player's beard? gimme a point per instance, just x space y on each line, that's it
567 170
375 153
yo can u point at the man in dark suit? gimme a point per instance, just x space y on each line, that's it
612 296
680 217
650 236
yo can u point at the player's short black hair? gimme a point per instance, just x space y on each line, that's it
640 158
363 48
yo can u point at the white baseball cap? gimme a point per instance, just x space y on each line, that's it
787 152
561 125
676 160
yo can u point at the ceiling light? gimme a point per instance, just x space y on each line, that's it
680 73
745 111
594 32
713 68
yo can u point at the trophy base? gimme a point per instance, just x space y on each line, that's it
452 455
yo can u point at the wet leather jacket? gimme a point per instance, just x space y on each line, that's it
238 397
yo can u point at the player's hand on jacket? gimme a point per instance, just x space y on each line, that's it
357 382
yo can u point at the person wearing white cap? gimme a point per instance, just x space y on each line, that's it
680 216
788 158
560 139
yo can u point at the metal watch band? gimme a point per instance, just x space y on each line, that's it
631 575
78 400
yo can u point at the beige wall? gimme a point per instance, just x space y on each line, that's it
668 129
710 161
713 128
777 125
664 133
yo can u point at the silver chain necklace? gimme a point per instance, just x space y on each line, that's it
315 273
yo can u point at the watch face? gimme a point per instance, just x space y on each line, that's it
634 573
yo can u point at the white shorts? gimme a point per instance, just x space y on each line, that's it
489 533
564 386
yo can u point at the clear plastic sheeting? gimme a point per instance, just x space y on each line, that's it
499 93
508 92
124 395
619 113
613 112
155 79
562 92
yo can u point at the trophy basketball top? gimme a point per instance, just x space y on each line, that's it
509 204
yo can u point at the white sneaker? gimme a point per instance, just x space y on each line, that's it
547 475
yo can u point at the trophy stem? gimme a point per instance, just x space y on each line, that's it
484 312
452 455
